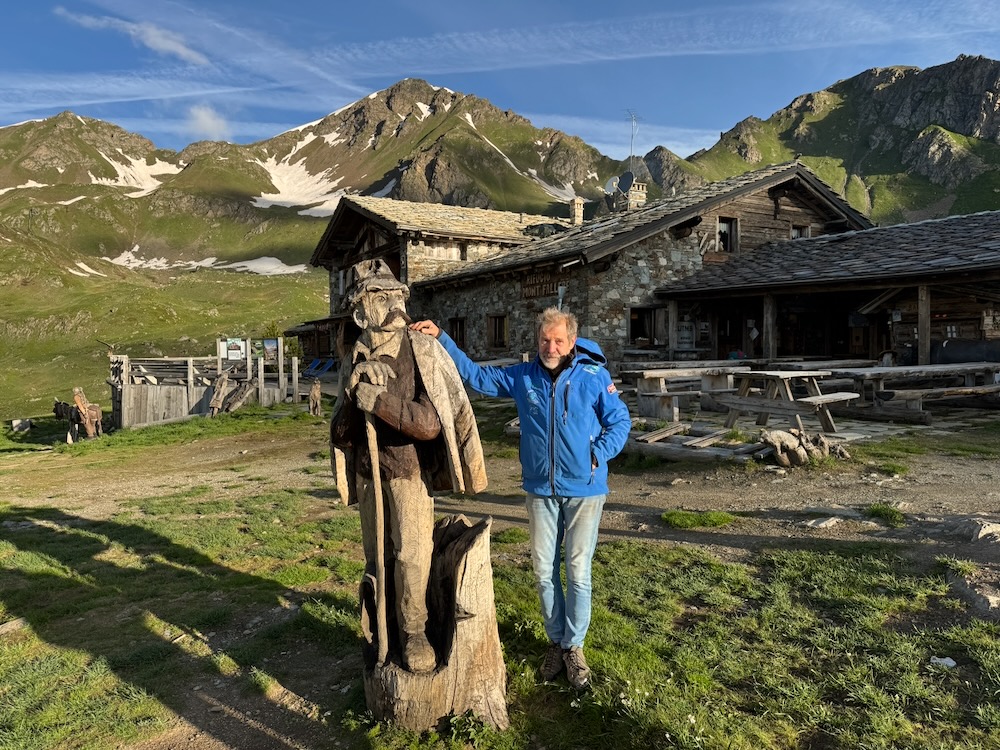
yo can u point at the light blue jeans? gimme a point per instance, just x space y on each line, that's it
552 522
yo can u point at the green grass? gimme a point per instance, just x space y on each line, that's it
126 618
687 519
964 568
893 455
891 515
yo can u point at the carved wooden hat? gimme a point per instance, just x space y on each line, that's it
370 276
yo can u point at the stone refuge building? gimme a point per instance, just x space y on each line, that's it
607 271
417 240
861 293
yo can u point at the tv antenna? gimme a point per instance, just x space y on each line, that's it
631 143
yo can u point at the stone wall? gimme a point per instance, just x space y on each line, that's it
424 260
629 282
599 297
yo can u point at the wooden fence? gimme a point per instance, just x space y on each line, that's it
169 389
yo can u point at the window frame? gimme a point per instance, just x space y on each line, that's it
497 324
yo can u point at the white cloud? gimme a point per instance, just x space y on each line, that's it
159 40
204 123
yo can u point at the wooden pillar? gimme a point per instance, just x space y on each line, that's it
126 393
249 359
923 325
770 328
190 386
672 339
260 380
295 380
282 385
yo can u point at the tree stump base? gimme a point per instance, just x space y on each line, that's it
462 626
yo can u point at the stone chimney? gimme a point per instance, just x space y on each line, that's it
576 211
636 196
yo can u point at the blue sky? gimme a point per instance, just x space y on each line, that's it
178 71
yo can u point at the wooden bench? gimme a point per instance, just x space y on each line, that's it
663 404
764 407
913 398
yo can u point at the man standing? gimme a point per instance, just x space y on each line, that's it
572 423
405 389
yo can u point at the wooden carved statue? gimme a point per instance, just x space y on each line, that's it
219 389
407 430
316 398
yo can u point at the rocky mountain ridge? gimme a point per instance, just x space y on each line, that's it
899 142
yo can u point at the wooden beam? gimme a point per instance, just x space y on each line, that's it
770 328
923 325
672 339
880 300
967 291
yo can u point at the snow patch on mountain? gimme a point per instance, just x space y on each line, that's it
136 174
28 184
88 269
266 266
297 186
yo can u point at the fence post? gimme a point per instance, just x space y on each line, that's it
282 384
260 380
190 385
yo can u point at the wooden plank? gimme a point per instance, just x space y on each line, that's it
760 405
707 440
829 398
652 437
675 452
935 393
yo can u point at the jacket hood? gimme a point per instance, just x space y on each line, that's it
589 352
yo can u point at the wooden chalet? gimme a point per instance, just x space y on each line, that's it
856 294
608 271
417 241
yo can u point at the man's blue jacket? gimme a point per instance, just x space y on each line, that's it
566 426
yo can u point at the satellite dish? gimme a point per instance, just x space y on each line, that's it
611 185
625 181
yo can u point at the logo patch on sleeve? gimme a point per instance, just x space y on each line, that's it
611 388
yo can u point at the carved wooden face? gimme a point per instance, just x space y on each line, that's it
381 309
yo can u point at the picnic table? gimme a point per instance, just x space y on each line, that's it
917 381
659 392
776 397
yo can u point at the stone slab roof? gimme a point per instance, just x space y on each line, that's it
954 246
449 221
598 238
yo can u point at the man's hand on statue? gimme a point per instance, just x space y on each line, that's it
426 326
376 373
366 394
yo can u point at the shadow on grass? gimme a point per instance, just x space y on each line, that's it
179 626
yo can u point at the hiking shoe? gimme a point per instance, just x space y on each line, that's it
577 671
552 664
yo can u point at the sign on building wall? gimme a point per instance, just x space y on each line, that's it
539 284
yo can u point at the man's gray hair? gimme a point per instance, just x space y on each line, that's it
553 316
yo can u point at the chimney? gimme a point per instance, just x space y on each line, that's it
636 195
576 211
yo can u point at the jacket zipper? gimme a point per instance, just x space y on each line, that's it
552 439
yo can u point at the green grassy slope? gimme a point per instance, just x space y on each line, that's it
52 321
